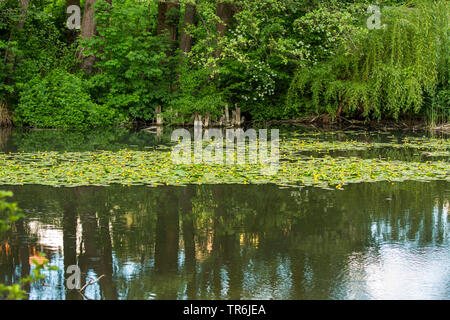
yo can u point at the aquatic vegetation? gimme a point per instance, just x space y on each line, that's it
429 146
155 167
292 147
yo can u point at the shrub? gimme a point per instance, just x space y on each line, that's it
196 93
59 100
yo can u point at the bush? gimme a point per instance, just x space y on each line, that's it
59 100
196 93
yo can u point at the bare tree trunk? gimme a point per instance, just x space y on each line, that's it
163 23
23 13
225 11
189 20
88 29
170 25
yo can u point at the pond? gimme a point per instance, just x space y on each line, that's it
383 239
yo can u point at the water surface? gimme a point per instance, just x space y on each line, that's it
367 241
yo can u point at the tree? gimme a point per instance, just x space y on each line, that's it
10 57
24 4
225 10
168 18
9 63
88 29
188 20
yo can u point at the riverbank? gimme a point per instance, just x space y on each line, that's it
324 122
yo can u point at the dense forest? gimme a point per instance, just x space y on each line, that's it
121 61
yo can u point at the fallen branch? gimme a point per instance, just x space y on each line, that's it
89 283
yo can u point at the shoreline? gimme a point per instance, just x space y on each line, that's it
311 122
323 122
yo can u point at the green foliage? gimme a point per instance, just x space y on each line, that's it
41 47
153 168
59 100
328 28
135 70
15 291
197 93
384 73
275 60
8 17
251 65
440 106
9 212
37 48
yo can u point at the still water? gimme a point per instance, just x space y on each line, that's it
368 241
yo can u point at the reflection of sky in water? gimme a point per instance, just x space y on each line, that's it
51 288
47 235
398 272
92 291
389 270
404 255
403 270
265 279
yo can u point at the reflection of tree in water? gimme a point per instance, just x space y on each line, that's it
18 248
232 241
5 133
96 239
113 139
69 225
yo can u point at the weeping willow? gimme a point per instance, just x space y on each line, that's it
401 69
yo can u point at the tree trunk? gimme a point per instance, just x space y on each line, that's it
189 20
10 60
225 11
72 2
189 240
167 237
171 27
163 23
88 29
69 225
23 13
9 55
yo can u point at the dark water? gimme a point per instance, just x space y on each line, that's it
368 241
